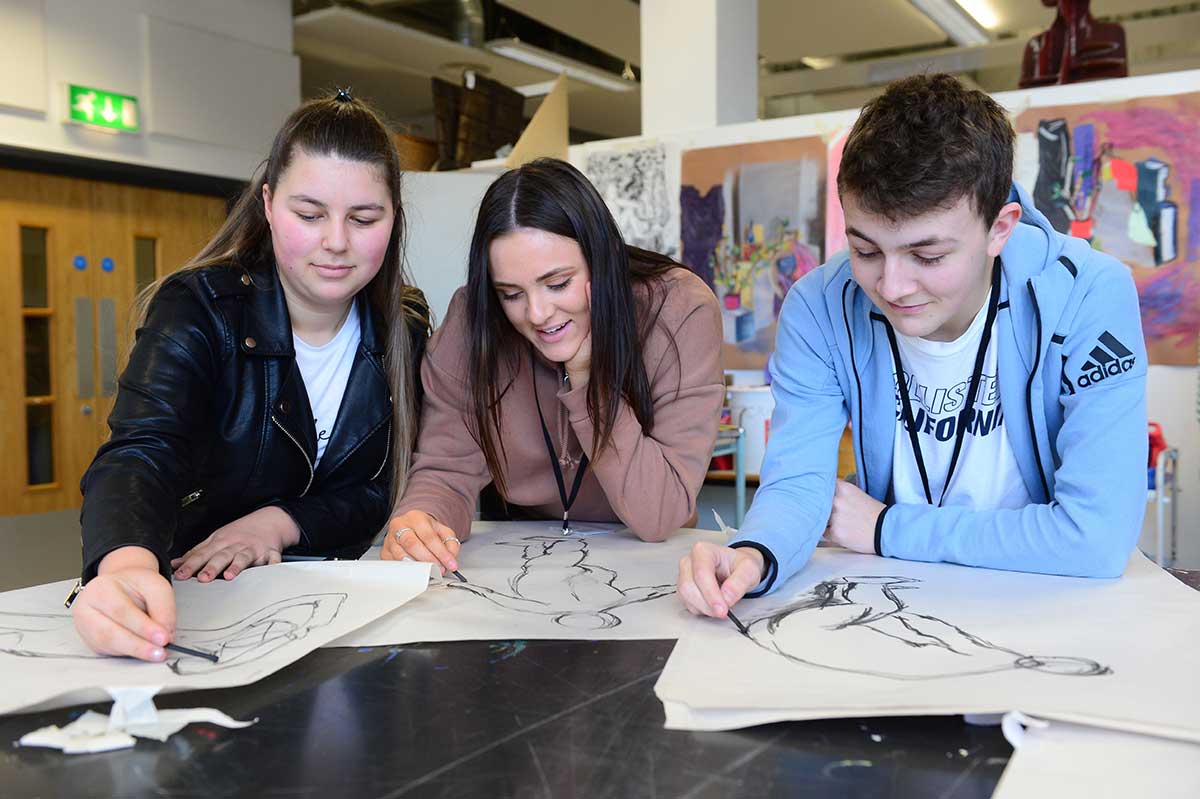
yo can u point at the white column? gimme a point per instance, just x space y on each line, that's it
699 64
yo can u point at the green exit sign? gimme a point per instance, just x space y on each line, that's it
89 106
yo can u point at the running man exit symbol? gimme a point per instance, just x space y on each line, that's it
98 108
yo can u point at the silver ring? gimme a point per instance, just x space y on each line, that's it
450 538
401 532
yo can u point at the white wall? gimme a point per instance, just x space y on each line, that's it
214 78
1171 400
440 210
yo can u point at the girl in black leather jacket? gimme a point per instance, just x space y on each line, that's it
271 397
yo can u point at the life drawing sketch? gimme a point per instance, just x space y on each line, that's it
251 638
636 190
876 606
556 577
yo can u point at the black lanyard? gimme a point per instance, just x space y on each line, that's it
964 415
567 502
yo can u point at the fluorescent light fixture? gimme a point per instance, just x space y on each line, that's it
818 62
982 11
518 50
961 27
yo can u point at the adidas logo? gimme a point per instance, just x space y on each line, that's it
1108 358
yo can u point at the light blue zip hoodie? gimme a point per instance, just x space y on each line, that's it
1072 372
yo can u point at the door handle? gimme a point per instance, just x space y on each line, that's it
86 410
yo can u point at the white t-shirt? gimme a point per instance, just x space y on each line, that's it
938 375
326 370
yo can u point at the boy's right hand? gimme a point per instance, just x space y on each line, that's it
128 608
419 536
712 578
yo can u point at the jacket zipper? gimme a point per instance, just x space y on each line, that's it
1037 359
387 450
862 467
190 498
311 472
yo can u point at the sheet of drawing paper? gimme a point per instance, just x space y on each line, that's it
858 635
268 617
1071 761
528 580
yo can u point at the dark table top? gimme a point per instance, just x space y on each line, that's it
502 719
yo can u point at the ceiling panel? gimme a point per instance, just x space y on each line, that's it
612 114
353 37
613 26
790 30
399 95
392 64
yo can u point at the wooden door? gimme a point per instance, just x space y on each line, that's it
50 427
74 255
139 236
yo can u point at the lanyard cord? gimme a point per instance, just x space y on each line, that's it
964 415
567 501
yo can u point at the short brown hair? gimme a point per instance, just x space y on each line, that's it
925 143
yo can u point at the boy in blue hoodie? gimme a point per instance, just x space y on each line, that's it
992 371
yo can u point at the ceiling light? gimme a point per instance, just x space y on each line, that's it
518 50
961 27
818 62
983 12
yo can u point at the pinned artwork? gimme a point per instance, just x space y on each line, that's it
1126 176
268 617
753 223
638 185
858 635
835 219
528 580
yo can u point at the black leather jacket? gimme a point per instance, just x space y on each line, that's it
212 421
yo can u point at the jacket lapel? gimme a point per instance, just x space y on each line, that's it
267 334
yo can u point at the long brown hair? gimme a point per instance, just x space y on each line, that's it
551 195
347 128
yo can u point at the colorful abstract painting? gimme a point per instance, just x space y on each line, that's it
1126 176
752 224
835 220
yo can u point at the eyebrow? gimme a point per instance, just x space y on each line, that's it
542 279
929 241
304 198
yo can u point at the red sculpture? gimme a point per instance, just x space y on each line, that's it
1075 48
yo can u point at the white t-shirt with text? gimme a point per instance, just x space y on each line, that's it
326 370
938 374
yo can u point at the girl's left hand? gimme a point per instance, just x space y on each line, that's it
256 539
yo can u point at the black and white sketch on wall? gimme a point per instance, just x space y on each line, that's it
640 186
